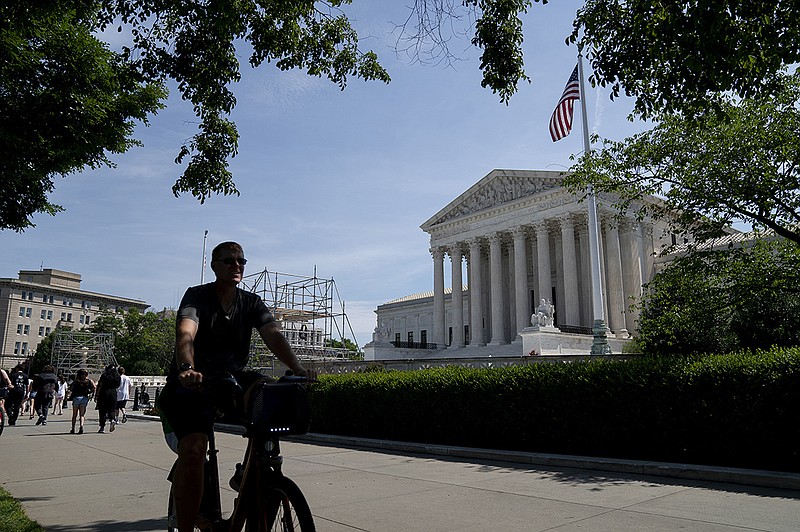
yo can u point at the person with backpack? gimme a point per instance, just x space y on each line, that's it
18 394
46 384
106 398
79 392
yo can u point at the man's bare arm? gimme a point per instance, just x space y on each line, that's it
184 351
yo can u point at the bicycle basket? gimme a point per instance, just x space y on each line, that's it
280 408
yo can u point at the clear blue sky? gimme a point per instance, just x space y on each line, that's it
340 181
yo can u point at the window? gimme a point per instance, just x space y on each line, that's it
44 298
43 314
397 337
87 320
51 300
410 337
16 348
24 348
69 317
19 328
27 329
63 316
28 312
30 296
423 336
49 314
47 330
41 331
22 311
81 320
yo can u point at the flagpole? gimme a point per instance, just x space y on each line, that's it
600 342
203 270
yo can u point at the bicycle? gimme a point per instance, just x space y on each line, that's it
267 500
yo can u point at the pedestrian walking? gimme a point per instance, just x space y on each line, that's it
61 391
17 395
81 389
123 394
106 398
46 384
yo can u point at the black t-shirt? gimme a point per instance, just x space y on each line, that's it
222 342
20 381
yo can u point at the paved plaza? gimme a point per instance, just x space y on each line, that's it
116 482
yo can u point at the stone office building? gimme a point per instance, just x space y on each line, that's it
40 301
520 237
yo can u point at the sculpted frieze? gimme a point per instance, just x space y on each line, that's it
506 219
503 189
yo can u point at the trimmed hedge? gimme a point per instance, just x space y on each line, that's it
740 410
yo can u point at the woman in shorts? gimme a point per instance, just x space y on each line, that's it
80 391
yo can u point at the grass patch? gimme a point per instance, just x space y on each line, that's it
12 515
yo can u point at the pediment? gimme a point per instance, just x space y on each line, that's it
496 188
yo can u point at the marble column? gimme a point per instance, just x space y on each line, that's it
632 266
571 300
498 297
438 297
543 252
457 297
648 249
616 299
522 306
585 276
476 300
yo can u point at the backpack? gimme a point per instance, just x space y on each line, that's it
49 385
48 389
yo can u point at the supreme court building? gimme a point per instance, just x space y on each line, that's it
512 240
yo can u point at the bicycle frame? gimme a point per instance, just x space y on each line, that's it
262 455
262 477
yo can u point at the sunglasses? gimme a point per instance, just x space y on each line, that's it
230 261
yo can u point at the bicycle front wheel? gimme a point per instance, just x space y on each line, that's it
281 507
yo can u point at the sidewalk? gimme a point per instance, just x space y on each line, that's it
117 482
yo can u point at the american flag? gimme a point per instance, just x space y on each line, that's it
561 121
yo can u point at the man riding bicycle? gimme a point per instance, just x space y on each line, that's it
213 332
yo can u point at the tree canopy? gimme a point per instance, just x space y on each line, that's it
67 99
144 342
713 170
720 301
679 55
670 55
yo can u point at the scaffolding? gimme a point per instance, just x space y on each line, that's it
73 350
310 311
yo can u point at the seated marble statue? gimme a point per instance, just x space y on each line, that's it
544 314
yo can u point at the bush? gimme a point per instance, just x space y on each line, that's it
735 410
